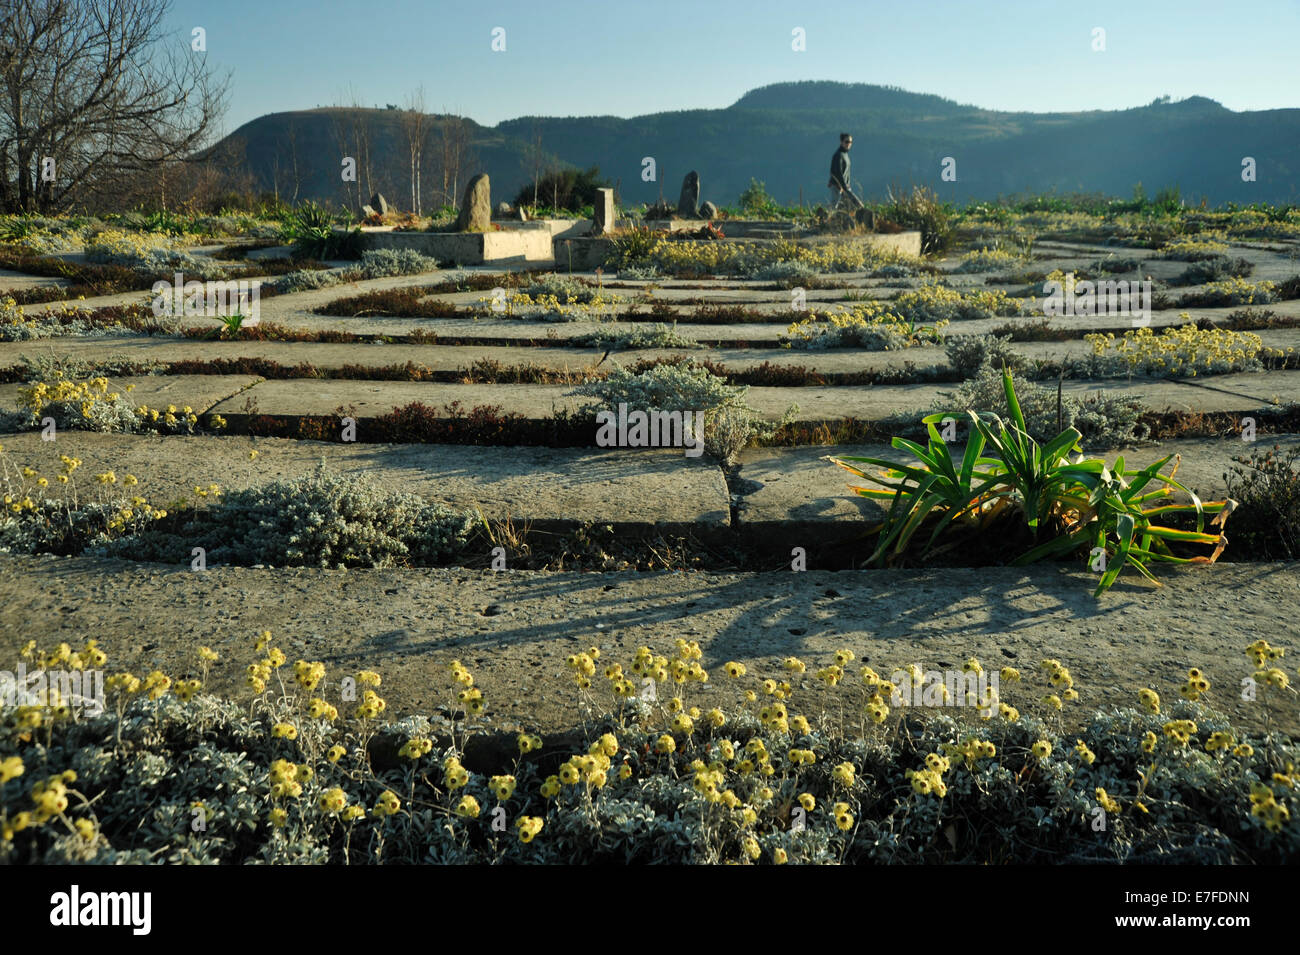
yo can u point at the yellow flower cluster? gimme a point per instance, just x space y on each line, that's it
387 804
529 827
332 801
36 396
732 258
1196 685
1059 677
371 706
1202 245
307 674
1219 740
454 775
1106 801
929 781
11 768
1260 652
1185 350
1237 291
1150 700
471 697
970 750
982 260
1264 805
548 305
1180 731
286 779
319 709
503 787
871 324
877 709
416 747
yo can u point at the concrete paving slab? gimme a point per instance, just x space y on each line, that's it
542 486
200 392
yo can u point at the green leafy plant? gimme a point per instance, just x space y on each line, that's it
310 229
1068 503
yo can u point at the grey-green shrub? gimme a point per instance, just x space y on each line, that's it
569 291
306 280
729 423
382 263
321 519
970 354
1105 421
624 335
143 777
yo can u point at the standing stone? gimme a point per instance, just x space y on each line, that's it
476 209
604 211
380 203
367 212
688 206
708 211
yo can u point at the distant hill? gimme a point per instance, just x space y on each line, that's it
784 135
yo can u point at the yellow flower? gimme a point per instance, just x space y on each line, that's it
467 808
333 800
11 768
387 804
277 818
284 731
336 752
665 744
1041 749
529 827
779 856
502 786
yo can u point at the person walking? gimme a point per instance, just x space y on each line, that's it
839 182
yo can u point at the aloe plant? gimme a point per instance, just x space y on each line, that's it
1078 504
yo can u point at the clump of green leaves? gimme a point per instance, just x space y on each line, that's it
1068 504
310 229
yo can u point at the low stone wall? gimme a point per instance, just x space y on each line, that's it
522 246
565 243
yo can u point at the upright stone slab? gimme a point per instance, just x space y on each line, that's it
380 203
688 205
604 211
708 211
476 209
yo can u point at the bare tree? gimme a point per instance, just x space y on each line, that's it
415 124
456 155
536 150
359 127
285 163
100 89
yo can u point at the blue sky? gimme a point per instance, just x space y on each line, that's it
627 58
